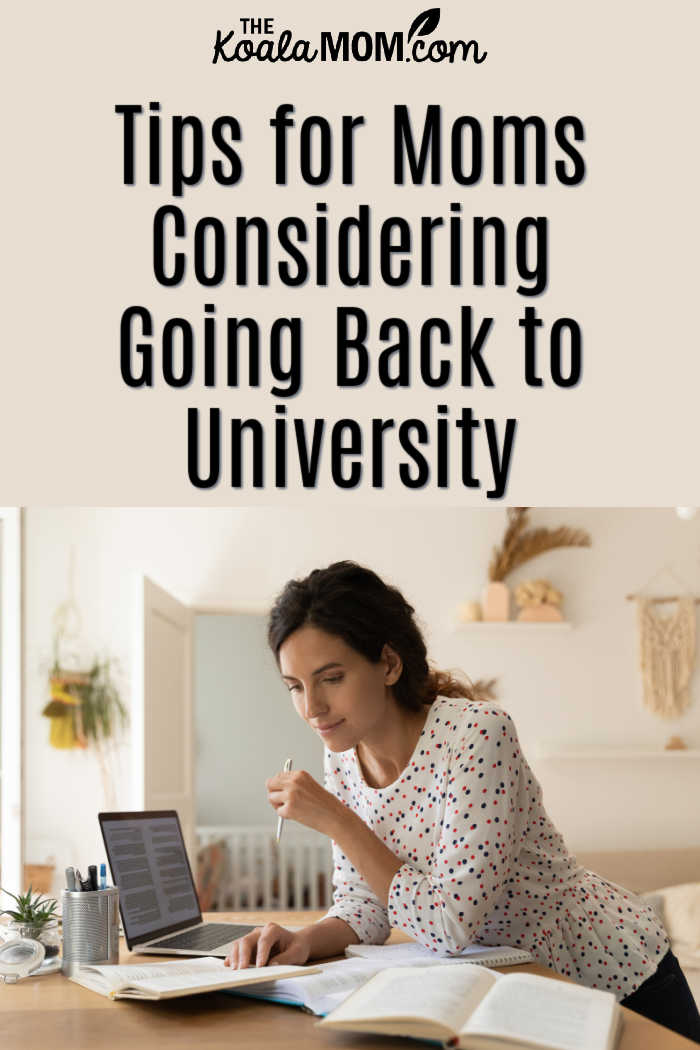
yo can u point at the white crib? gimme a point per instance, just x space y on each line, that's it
260 875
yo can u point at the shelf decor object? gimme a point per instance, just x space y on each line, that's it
496 601
538 601
518 546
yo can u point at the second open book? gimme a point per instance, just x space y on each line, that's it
471 1007
169 980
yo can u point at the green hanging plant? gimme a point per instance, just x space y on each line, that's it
85 706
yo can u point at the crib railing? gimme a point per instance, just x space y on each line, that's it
259 874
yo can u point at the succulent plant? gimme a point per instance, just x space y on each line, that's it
32 909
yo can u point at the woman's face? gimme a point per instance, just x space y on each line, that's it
343 696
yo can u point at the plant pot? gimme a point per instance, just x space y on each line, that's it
496 601
45 932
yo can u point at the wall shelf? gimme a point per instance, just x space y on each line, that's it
514 626
684 754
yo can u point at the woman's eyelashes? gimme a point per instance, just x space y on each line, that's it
294 687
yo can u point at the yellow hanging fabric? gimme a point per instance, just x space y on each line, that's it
63 711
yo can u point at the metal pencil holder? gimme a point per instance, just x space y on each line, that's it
90 928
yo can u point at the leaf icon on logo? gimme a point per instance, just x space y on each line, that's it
424 23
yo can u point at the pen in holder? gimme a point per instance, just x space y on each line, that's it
90 928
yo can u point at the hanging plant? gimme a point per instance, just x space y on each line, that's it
85 707
520 544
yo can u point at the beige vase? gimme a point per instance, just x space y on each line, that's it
496 601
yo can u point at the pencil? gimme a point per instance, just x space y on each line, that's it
280 820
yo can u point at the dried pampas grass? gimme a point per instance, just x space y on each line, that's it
520 544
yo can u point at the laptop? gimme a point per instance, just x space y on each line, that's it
157 896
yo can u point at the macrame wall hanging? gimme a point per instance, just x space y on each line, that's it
666 651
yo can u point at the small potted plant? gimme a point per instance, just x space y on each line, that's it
34 917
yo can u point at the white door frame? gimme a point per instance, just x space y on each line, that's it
255 609
11 699
152 601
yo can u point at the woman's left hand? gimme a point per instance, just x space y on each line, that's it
297 796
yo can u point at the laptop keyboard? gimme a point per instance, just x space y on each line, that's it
203 938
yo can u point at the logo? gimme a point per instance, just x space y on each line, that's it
260 42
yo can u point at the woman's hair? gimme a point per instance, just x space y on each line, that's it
354 604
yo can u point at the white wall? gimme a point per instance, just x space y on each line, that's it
580 689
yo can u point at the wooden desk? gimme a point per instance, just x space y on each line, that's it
53 1013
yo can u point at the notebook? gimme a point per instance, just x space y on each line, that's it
416 954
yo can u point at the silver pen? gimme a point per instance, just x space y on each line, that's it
280 820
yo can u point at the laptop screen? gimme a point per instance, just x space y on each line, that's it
149 866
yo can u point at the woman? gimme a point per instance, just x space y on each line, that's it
437 821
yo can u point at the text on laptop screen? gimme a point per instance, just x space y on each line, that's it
149 865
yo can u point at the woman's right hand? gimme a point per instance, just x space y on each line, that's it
269 945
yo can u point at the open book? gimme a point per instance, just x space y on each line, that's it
478 1009
166 980
335 981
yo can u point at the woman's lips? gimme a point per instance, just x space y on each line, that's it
325 730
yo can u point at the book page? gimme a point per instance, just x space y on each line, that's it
120 976
199 973
180 974
544 1012
443 995
103 978
322 992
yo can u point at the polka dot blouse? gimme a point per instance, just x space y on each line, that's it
483 862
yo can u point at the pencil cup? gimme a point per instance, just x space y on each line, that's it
90 928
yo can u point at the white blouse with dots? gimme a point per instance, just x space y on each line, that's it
482 861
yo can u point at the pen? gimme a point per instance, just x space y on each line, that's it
103 876
280 820
70 879
78 880
92 876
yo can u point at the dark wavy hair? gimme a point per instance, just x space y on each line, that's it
354 604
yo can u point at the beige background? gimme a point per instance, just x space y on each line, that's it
622 258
